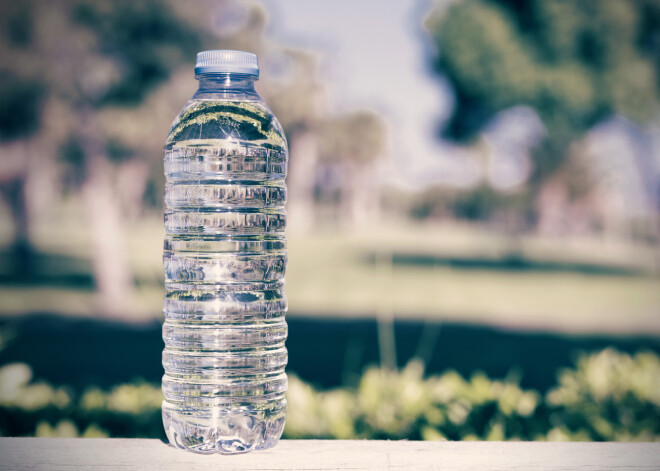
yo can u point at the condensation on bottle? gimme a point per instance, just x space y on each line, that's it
225 259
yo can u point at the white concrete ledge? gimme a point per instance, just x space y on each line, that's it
55 454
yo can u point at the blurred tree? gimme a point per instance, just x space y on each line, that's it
295 93
575 63
357 136
354 141
87 92
81 57
88 89
87 56
21 102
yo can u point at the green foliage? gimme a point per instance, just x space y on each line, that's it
572 61
16 23
21 101
145 38
404 405
135 399
575 63
65 428
108 53
17 391
128 410
607 396
117 151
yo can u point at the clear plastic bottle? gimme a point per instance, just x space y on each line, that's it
225 259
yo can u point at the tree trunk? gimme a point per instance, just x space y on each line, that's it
300 182
14 192
13 187
112 272
361 195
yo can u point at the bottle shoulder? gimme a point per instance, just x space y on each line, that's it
206 120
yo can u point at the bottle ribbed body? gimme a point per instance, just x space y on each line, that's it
225 260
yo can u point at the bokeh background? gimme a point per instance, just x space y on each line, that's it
473 220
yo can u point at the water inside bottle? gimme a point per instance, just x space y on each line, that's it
225 260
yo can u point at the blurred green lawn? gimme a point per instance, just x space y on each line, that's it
443 272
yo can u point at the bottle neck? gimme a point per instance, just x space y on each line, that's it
226 85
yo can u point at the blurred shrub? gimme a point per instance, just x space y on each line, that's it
607 396
16 390
128 410
404 405
67 429
138 398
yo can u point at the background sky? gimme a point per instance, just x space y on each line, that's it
375 55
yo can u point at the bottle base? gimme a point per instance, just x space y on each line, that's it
224 429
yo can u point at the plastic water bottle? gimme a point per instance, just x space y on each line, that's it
225 258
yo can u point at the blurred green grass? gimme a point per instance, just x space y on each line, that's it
328 274
452 272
